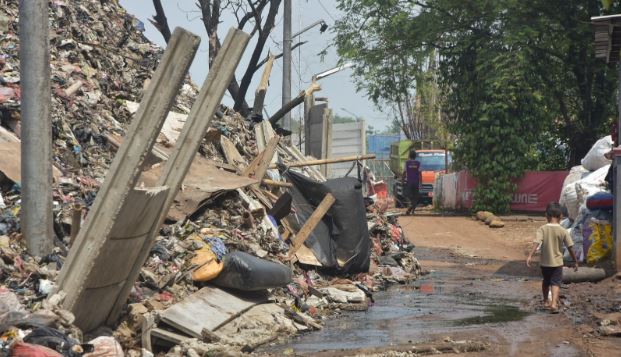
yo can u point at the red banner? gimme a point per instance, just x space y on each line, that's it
535 190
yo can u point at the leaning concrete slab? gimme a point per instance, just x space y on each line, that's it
84 259
193 132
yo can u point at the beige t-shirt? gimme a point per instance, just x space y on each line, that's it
552 237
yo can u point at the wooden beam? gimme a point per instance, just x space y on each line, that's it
231 154
328 161
311 223
314 87
125 169
259 166
180 160
259 95
273 183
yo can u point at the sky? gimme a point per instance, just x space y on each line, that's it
306 61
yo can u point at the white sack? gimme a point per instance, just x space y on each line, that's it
595 159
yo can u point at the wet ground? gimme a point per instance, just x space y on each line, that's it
479 289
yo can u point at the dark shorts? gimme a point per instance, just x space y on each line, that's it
412 193
552 275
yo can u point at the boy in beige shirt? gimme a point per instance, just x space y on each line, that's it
552 237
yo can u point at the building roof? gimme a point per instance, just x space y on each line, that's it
607 37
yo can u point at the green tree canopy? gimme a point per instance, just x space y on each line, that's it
518 84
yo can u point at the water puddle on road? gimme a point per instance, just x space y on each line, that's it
433 305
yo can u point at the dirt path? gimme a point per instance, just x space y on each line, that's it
497 266
479 289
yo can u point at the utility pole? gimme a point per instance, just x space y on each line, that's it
34 57
286 63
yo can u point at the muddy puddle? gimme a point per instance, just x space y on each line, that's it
437 304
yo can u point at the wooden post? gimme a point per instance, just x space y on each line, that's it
259 95
314 87
311 223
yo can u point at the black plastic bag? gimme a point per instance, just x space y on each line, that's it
246 272
341 240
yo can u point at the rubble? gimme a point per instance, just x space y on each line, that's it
101 64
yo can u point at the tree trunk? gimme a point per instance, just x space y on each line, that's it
256 57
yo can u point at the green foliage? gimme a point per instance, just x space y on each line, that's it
519 83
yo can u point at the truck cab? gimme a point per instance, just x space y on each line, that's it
433 162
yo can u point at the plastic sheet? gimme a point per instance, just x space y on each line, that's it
341 240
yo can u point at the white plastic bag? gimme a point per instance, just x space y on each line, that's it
591 184
595 159
569 199
576 173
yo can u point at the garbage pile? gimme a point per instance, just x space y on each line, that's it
224 274
587 197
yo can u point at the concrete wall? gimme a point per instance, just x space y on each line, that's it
347 139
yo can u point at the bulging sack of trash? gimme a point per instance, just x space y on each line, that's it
593 183
569 199
246 272
575 174
207 265
595 159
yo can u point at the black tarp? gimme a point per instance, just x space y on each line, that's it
341 240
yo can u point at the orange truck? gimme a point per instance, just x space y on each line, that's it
433 162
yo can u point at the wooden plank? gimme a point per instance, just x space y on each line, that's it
231 154
259 95
311 223
330 161
273 183
314 87
259 166
310 170
306 256
193 132
174 338
124 171
209 308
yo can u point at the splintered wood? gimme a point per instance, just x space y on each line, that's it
311 223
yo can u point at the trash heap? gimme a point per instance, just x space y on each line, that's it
224 256
588 199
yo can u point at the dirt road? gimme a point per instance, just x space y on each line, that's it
479 289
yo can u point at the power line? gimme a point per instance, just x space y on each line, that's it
326 10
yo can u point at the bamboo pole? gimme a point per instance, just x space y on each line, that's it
328 161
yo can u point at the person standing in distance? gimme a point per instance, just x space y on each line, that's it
412 177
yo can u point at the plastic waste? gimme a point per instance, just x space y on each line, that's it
243 271
22 349
207 263
595 159
599 243
105 346
600 200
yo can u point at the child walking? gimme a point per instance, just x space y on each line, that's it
551 237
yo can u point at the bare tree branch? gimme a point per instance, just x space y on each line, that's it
256 54
264 61
159 20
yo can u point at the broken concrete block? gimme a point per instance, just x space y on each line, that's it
340 296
